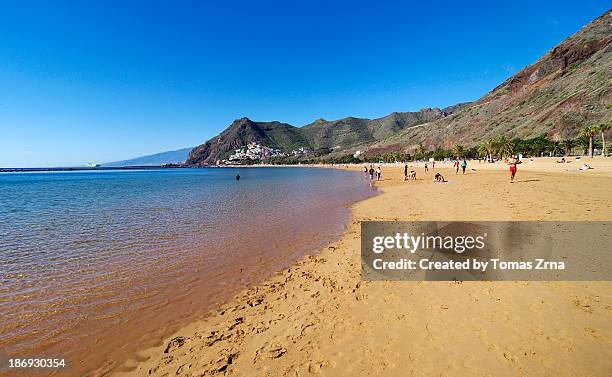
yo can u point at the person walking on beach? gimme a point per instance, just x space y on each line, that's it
456 166
513 162
365 171
371 173
405 172
433 165
463 165
378 172
426 169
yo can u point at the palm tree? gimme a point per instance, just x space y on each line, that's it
555 148
458 150
486 149
504 146
568 145
603 127
583 142
420 152
589 131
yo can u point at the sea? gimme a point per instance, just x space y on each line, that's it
96 265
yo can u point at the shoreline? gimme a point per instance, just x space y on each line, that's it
300 320
183 292
539 163
112 368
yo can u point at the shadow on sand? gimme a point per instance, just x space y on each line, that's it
527 180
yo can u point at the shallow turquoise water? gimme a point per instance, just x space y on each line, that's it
123 257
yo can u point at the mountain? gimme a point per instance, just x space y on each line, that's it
349 132
566 89
320 135
170 157
243 131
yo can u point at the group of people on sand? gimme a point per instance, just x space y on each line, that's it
459 164
439 178
433 165
371 172
411 175
582 167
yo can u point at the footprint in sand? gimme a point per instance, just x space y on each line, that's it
175 343
584 306
593 333
270 351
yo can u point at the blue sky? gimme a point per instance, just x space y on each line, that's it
102 81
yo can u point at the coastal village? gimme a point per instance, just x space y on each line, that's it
257 152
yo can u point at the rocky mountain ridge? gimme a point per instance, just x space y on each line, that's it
564 90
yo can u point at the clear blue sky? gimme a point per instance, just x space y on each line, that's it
86 81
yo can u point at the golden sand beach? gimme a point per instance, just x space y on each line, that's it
319 318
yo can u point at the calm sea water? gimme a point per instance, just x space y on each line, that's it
95 265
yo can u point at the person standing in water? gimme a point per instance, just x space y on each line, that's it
463 165
513 162
237 177
371 173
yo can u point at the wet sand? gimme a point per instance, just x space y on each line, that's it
98 265
318 318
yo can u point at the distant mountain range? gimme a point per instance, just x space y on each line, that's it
170 157
321 135
566 89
